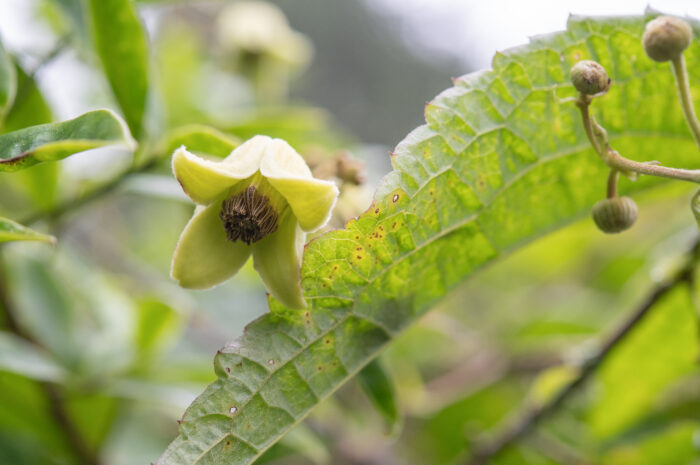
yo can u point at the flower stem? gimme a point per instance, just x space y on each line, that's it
599 140
681 75
612 183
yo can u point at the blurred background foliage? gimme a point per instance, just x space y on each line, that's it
101 339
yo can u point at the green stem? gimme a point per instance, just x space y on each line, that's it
681 75
599 140
612 183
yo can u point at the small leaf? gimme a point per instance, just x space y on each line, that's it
12 231
8 82
201 139
19 356
380 389
121 44
56 141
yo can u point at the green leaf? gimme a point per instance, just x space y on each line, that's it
121 44
156 325
13 231
302 441
8 82
56 141
663 347
19 356
503 160
200 139
29 107
379 387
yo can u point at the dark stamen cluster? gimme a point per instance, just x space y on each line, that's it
248 216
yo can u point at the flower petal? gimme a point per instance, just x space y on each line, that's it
203 256
246 157
277 258
205 181
202 180
311 199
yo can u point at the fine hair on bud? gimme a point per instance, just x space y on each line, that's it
615 215
589 77
666 37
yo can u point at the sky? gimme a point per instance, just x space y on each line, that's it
478 28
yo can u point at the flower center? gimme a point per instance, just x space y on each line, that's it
248 216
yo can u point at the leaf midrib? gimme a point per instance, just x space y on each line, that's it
392 335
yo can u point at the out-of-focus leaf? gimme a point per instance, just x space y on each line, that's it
156 324
695 207
74 11
43 307
659 350
671 447
121 43
80 316
302 441
93 415
503 159
29 107
443 438
29 434
201 139
300 126
8 83
679 404
13 231
23 358
379 387
55 141
156 185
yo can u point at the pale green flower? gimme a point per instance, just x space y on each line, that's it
260 200
262 27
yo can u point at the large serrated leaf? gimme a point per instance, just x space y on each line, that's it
503 159
56 141
121 44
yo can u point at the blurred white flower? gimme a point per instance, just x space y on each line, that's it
261 28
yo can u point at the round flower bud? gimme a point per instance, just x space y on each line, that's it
589 77
666 37
615 215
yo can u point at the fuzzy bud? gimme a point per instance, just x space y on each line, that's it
589 77
666 37
615 215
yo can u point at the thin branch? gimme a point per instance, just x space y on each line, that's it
529 420
54 395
